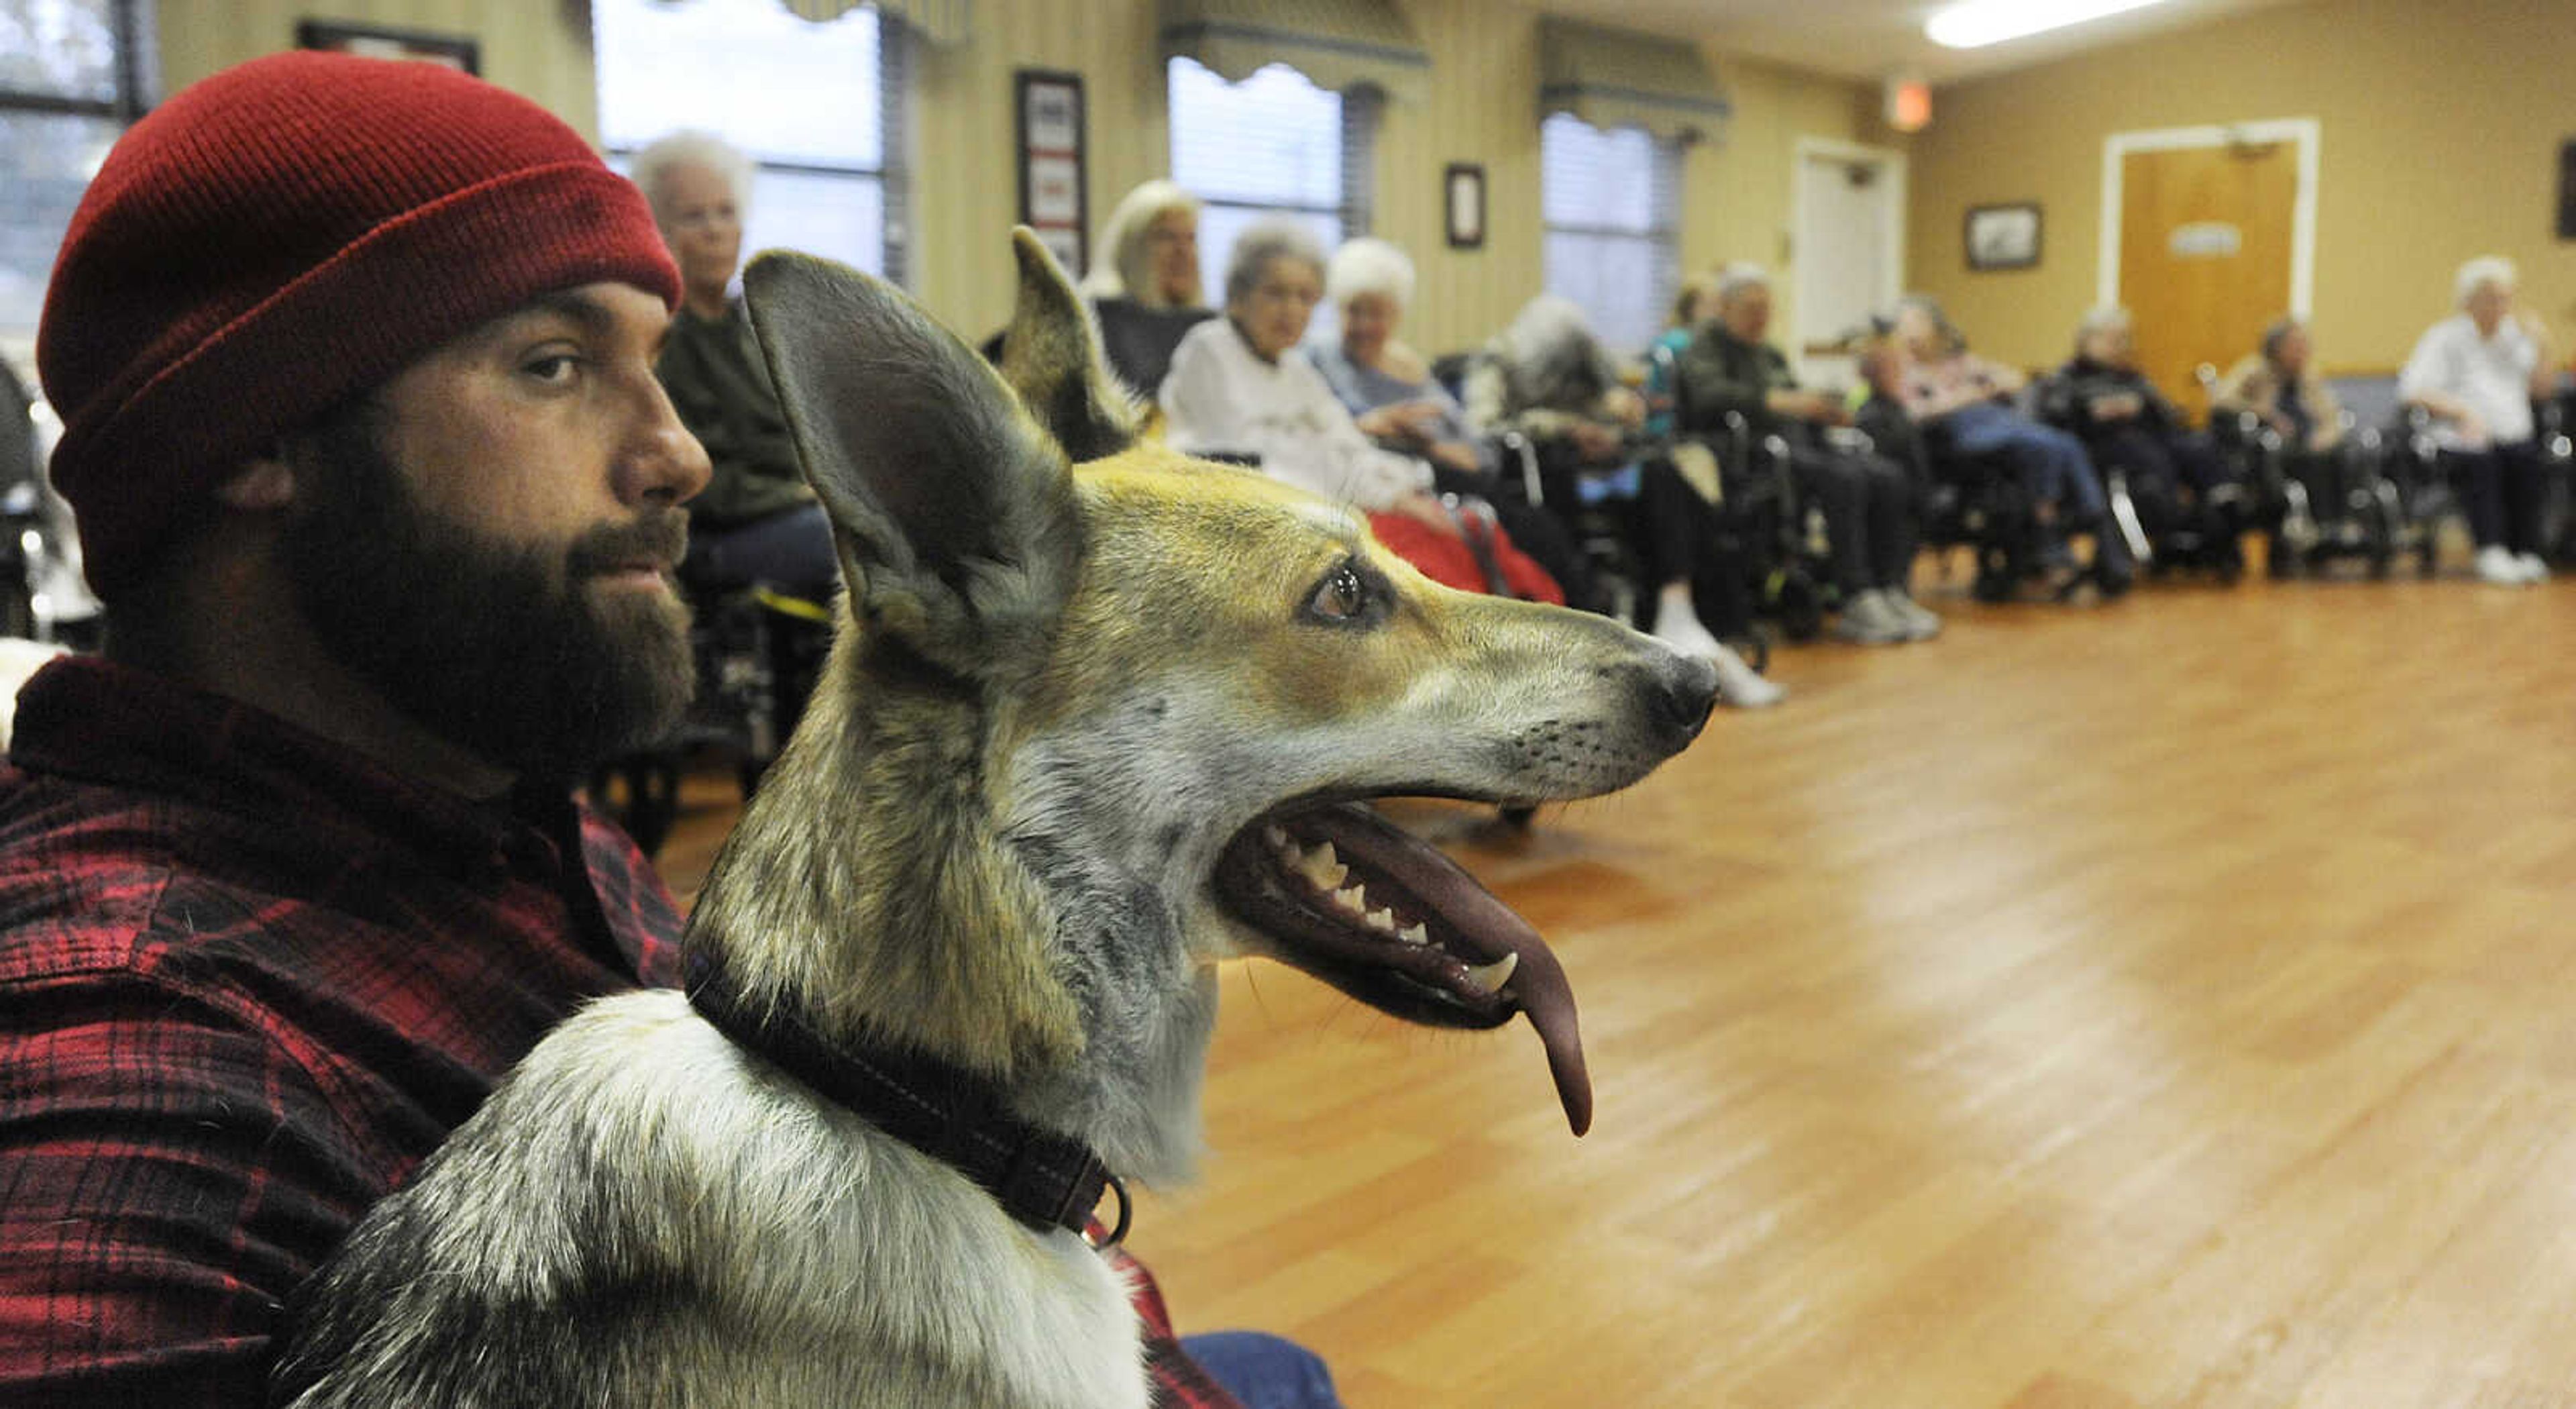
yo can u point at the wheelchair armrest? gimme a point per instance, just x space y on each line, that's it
1517 450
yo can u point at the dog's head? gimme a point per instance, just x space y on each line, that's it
1175 683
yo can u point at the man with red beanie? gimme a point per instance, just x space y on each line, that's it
355 360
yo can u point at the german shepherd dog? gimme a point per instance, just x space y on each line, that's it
1083 734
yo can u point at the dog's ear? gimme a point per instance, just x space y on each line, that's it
955 513
1052 357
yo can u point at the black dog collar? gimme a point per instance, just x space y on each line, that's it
1044 1180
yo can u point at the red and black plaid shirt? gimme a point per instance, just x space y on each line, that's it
247 981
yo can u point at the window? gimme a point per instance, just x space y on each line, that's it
1273 144
818 105
1612 214
69 84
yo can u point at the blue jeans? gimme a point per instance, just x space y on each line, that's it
2051 463
1264 1371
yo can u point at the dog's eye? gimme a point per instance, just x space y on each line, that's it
1343 595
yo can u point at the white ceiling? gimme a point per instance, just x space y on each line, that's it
1873 39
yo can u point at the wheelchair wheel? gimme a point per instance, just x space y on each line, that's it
1798 603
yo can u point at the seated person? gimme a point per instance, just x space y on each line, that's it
757 521
2477 372
1868 500
1390 392
1693 307
1549 378
1963 405
2279 382
1240 386
2175 475
1144 282
2279 385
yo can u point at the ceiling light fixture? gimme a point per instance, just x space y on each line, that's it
1977 23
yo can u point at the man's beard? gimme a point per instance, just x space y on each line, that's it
511 651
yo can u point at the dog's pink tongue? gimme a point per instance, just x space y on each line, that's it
1483 924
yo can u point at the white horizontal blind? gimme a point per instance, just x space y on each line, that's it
818 106
1612 203
1271 145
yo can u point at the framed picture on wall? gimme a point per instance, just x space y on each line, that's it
1054 187
459 52
2003 236
1463 193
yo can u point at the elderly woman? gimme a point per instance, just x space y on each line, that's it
1240 386
1549 378
2477 373
2174 473
756 521
1389 390
1963 404
2279 383
1145 287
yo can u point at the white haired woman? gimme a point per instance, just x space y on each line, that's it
1145 283
1239 385
757 520
2478 372
1389 390
1548 377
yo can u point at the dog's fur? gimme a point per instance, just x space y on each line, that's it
1060 706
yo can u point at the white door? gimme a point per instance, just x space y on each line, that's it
1848 249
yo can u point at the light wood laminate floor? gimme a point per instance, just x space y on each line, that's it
2170 1003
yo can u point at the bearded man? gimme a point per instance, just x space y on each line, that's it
371 467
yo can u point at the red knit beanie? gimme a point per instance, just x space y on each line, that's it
287 233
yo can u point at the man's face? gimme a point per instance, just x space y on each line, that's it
702 223
2488 303
490 545
1747 313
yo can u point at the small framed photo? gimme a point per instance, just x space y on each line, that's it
1053 159
2003 236
458 52
1463 187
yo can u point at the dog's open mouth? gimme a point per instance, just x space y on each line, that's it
1362 905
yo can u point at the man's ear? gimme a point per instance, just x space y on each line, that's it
955 512
1052 357
261 485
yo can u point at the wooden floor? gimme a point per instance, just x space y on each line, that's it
2168 1003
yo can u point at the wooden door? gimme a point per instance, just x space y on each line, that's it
2205 250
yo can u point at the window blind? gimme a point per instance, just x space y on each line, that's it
1611 215
818 106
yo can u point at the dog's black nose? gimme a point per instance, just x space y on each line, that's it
1682 693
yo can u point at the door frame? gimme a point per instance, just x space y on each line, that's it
1891 165
2303 131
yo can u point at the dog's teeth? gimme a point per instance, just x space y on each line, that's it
1323 868
1353 899
1414 934
1383 921
1491 977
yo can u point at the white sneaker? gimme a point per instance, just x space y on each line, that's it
1739 686
2533 569
2495 565
1920 624
1868 619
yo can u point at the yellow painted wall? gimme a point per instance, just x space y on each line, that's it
2440 126
1482 108
540 48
